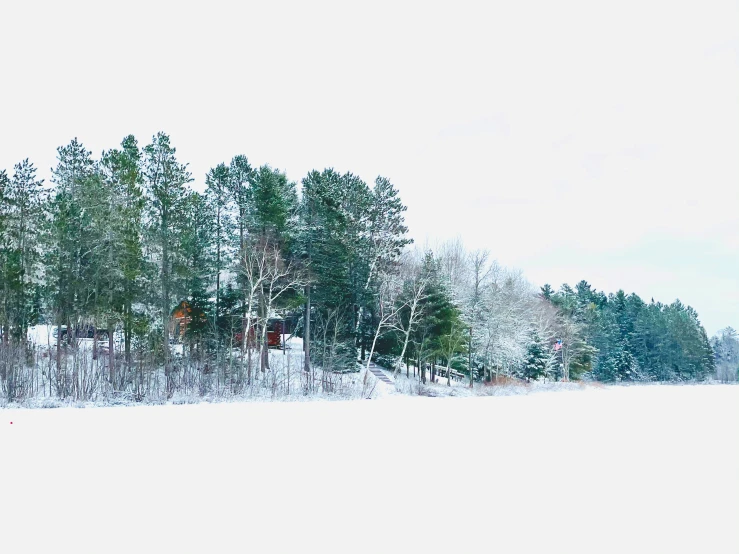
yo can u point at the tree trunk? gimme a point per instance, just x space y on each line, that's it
248 364
264 347
58 348
306 333
127 336
165 300
374 342
405 346
469 365
111 353
218 270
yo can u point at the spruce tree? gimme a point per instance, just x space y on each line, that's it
537 360
440 316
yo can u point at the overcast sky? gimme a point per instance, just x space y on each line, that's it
575 140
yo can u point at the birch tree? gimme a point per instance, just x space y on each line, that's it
412 304
280 277
385 232
386 317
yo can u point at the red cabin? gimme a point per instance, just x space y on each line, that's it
275 328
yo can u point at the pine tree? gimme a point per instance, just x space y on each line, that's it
25 197
217 195
198 262
274 203
166 181
4 254
326 250
70 246
123 235
547 292
241 177
381 237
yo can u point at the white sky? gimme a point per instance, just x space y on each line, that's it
574 142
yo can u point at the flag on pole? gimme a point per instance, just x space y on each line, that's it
558 345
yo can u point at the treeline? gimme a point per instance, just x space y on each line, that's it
476 314
118 242
626 339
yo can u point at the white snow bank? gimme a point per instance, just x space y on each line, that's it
630 469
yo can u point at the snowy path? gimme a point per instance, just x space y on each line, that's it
640 469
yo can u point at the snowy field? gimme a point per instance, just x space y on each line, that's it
624 469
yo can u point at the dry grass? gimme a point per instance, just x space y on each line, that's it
503 380
589 384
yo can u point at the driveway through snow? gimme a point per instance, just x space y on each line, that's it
639 469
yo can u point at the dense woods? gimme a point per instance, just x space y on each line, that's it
114 245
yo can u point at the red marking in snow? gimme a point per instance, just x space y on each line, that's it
11 423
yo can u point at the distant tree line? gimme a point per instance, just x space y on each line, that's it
114 244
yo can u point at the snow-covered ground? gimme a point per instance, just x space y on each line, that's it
624 469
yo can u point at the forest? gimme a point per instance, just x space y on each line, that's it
177 290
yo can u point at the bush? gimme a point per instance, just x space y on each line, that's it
385 360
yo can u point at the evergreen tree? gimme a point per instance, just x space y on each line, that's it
274 203
536 363
20 219
194 268
241 177
25 197
4 254
635 341
127 267
440 316
380 239
217 196
547 292
166 181
335 240
70 244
